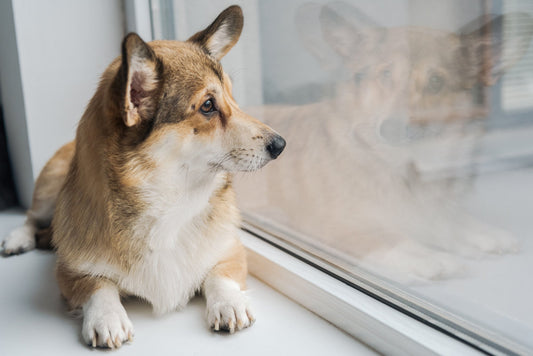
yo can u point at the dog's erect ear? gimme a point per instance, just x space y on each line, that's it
140 74
219 37
305 19
487 51
348 31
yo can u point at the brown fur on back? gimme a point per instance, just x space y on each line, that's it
47 188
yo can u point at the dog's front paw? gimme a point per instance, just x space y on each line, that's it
106 324
107 330
229 310
19 240
489 239
410 262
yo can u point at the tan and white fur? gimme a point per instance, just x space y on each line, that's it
142 203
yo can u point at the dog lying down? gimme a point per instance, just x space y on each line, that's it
142 202
350 188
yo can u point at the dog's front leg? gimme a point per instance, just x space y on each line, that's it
105 322
227 304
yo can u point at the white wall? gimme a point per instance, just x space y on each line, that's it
57 51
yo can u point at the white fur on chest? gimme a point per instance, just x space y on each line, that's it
181 247
168 276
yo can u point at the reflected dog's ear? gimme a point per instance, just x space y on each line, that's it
219 37
349 31
487 51
140 78
305 20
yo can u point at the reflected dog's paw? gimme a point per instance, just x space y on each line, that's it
489 239
410 262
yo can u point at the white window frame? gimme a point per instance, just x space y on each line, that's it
137 13
369 320
374 323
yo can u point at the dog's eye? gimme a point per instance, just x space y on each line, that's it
360 76
435 84
208 107
386 76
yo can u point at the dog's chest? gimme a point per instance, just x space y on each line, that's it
174 264
180 248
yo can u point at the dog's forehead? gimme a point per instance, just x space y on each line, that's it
431 44
187 63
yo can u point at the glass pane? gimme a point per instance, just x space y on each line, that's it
409 145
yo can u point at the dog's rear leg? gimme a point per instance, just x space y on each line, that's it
36 229
227 305
105 322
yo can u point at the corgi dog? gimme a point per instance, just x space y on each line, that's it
142 203
350 189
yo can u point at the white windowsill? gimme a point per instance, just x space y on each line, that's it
34 320
378 325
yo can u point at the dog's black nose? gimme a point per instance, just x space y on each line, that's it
275 146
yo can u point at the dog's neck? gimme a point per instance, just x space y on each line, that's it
176 202
174 183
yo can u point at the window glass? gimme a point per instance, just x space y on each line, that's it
409 145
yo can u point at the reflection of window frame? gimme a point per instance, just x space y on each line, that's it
358 309
517 115
501 118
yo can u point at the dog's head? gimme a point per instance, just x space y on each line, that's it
175 100
404 77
